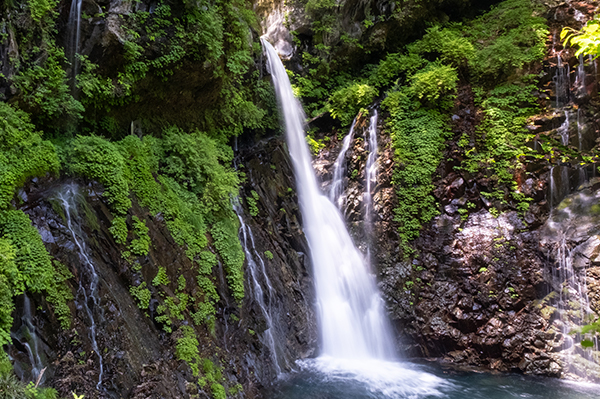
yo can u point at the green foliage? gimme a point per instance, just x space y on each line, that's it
394 66
502 136
588 39
251 201
186 349
23 154
506 39
227 243
345 103
218 391
161 277
97 158
43 86
432 82
448 45
140 245
269 255
26 265
39 8
118 229
142 295
418 136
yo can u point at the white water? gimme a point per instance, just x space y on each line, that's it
339 167
371 171
33 351
565 226
563 130
247 240
352 321
68 197
74 26
562 81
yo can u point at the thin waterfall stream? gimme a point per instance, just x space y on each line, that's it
74 25
68 198
339 167
371 173
256 271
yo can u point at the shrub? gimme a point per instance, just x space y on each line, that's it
345 103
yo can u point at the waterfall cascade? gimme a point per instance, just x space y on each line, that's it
356 339
352 320
339 167
87 292
29 339
74 26
570 237
257 273
370 172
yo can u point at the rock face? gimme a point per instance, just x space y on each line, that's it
139 356
482 290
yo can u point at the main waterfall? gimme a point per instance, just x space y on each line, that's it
352 320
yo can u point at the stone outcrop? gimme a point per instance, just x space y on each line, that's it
139 356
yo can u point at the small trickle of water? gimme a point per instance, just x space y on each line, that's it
258 271
68 197
32 341
580 77
371 170
339 169
352 320
562 236
74 26
563 130
562 82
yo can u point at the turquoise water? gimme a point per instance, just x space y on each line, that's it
329 379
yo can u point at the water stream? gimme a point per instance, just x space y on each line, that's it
371 172
256 266
352 321
28 337
88 292
74 26
339 168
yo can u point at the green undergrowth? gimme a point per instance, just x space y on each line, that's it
13 388
181 178
209 375
492 54
25 265
23 153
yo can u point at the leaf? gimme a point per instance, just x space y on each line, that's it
586 343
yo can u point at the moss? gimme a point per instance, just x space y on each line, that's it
142 295
161 277
23 153
26 265
141 244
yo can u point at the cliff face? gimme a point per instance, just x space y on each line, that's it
483 287
479 290
139 357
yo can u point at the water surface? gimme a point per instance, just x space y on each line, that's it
326 378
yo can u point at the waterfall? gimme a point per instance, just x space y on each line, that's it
28 337
563 130
74 26
562 82
371 171
68 197
580 78
570 237
339 167
352 321
252 255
